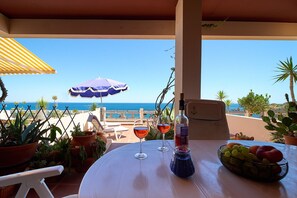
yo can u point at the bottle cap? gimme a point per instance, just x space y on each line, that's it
181 102
181 96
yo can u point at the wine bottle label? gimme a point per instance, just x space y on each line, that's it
184 131
182 135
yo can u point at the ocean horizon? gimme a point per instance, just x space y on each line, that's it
87 106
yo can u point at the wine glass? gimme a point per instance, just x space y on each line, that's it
141 132
163 125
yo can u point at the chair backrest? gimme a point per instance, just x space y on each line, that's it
207 120
96 123
32 179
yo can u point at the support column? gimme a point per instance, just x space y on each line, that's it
188 50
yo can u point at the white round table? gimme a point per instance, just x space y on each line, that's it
119 174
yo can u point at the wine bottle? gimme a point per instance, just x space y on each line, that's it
181 129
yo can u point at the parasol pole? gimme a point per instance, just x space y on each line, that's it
101 98
101 114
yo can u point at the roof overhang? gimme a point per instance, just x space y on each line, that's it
229 19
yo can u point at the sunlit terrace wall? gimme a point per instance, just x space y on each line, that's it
248 126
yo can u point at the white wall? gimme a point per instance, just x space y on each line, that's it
81 118
248 126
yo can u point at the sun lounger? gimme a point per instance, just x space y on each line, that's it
117 130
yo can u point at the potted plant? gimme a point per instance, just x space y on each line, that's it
82 160
284 126
18 142
51 154
86 147
81 138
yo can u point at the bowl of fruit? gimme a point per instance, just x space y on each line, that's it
261 163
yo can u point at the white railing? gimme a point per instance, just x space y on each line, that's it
125 115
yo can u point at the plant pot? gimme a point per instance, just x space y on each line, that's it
102 136
77 163
57 158
290 140
16 158
84 140
83 167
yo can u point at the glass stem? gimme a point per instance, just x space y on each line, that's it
163 145
140 146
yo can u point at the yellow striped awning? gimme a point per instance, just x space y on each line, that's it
16 59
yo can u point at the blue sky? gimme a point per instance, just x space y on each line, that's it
232 66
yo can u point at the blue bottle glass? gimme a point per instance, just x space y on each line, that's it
181 164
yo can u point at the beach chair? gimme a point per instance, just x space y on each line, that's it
118 130
104 123
207 120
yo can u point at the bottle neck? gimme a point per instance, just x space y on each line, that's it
181 106
181 112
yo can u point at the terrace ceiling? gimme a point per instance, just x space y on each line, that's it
132 18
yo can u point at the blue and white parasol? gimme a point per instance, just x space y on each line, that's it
99 87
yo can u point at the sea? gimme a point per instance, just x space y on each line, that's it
87 106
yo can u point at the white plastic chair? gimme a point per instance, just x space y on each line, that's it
32 179
207 120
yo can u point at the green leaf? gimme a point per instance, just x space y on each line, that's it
293 127
293 115
287 121
27 131
53 133
280 117
281 125
270 128
281 130
266 119
271 113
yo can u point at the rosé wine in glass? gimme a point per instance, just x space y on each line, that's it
141 132
163 125
163 128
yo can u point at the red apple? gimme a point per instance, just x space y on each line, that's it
253 149
270 153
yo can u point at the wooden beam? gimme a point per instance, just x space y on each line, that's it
142 29
58 28
4 25
214 30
